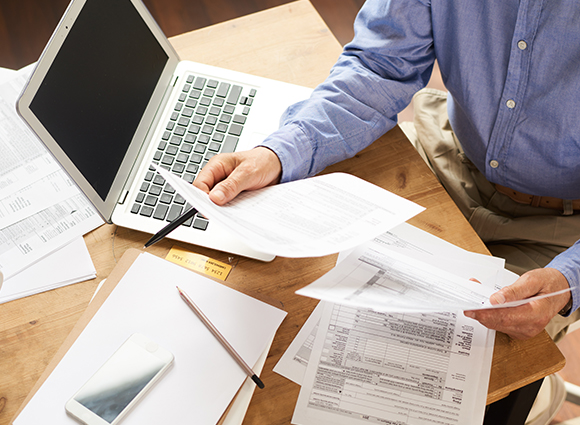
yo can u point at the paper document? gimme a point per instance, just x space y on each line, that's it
385 356
376 277
204 377
399 368
41 210
304 218
70 264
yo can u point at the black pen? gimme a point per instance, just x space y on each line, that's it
171 227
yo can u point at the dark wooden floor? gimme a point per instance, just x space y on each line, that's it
26 25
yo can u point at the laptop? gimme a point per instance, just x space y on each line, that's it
109 96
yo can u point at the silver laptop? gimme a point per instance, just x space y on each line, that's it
109 95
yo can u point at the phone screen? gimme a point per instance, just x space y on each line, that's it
118 381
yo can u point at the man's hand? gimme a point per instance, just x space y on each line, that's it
226 175
530 319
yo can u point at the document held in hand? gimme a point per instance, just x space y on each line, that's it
305 218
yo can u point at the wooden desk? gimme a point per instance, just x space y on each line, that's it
295 46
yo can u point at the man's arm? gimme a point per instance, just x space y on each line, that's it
390 58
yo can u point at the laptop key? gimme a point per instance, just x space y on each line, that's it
135 208
146 211
218 137
160 212
166 198
235 129
192 168
155 190
179 199
223 89
239 119
230 144
174 212
180 131
234 95
151 201
200 224
199 83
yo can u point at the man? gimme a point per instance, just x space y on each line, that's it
508 152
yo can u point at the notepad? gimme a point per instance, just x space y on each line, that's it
204 378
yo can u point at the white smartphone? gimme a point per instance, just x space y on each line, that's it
120 382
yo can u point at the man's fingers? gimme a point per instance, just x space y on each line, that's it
226 175
228 189
215 171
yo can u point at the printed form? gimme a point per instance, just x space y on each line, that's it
395 368
304 218
41 210
402 368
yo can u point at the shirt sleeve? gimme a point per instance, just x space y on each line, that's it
390 58
568 263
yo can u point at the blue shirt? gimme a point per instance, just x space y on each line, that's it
512 69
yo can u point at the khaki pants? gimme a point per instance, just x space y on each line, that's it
527 237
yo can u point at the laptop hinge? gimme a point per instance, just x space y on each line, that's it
175 78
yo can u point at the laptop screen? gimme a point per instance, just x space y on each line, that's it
98 87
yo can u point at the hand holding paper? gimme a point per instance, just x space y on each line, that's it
306 218
538 296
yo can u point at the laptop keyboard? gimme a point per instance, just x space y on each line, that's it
207 119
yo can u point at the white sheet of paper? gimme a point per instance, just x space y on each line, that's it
6 74
203 379
304 218
40 208
395 368
411 241
375 277
70 264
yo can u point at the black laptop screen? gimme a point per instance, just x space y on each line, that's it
97 89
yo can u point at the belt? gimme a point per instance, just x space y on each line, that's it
539 201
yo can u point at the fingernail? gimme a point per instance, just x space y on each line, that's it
469 314
498 297
218 196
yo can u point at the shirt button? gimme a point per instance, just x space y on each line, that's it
510 104
493 163
522 45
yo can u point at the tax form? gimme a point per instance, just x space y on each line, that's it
369 367
448 356
41 210
304 218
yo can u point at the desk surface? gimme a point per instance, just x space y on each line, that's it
295 46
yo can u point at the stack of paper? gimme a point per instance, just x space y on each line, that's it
403 367
41 210
204 377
